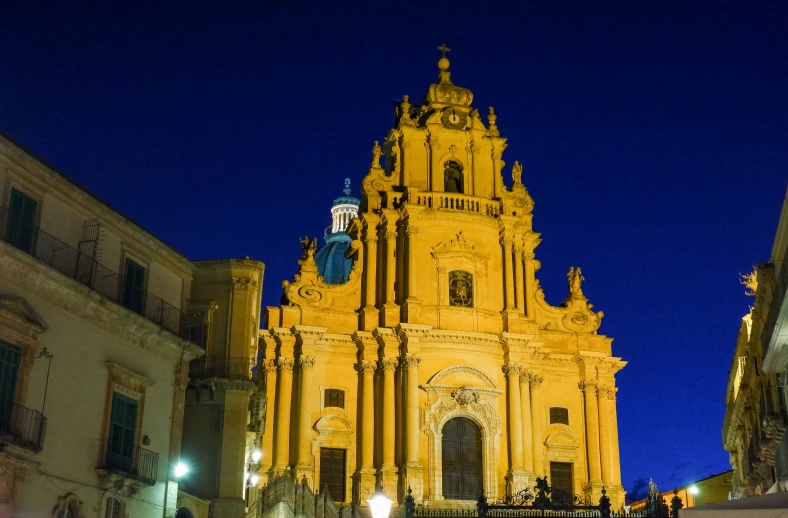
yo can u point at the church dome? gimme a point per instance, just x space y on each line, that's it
331 261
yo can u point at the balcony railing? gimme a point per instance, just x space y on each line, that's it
130 461
86 270
228 368
25 427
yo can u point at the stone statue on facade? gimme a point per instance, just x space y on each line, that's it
310 247
376 152
575 277
517 172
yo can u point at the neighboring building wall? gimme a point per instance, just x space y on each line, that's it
223 425
100 351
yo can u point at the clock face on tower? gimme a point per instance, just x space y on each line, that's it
454 119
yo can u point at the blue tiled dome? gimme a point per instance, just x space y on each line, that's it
331 261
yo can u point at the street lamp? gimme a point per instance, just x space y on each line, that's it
181 469
693 490
380 504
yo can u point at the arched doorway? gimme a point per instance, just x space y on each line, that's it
462 460
183 513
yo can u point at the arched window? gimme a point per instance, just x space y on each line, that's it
452 177
460 289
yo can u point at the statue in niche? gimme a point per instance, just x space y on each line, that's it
461 289
452 177
376 152
517 172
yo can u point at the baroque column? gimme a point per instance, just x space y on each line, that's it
509 269
388 468
537 421
305 467
412 302
413 469
525 403
605 434
366 473
589 389
369 311
519 283
284 383
391 311
516 477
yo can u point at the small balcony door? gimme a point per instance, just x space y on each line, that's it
133 286
122 433
9 368
20 227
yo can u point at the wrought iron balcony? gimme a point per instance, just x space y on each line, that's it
24 427
130 461
233 368
86 270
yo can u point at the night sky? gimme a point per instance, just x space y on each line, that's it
653 136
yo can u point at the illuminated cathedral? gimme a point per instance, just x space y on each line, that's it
415 348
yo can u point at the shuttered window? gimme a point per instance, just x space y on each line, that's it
9 368
114 508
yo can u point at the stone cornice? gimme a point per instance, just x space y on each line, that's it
461 337
92 307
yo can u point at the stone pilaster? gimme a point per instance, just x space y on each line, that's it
412 304
589 389
364 479
519 283
388 354
370 315
516 477
535 381
525 403
284 380
391 314
413 471
305 466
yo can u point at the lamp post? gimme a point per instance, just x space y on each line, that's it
380 504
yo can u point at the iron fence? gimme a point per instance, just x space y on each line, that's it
130 460
542 502
86 270
25 426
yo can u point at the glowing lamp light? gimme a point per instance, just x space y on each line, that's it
181 469
693 490
255 479
380 504
256 456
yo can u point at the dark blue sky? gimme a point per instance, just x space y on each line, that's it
653 136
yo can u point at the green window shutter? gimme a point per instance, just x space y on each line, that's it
21 220
122 432
133 285
9 368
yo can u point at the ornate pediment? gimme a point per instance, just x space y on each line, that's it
462 375
20 312
457 244
308 288
333 423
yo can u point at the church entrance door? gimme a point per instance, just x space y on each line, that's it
462 460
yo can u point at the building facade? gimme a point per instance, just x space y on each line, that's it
100 325
436 364
756 416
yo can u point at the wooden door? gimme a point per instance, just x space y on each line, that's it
462 460
561 482
332 472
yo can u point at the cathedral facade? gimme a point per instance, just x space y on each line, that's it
416 350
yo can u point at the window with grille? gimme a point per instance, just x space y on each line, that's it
334 397
559 415
114 508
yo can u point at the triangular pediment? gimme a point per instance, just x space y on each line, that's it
20 311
